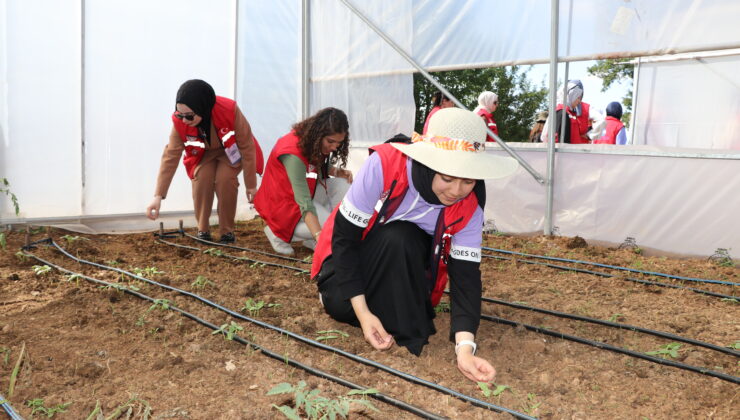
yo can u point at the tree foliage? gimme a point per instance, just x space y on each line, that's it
615 71
519 100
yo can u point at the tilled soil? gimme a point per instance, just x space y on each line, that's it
94 346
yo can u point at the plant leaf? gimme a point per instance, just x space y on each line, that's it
288 412
485 389
281 388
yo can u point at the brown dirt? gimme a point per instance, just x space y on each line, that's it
87 345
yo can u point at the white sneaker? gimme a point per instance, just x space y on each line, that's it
279 245
310 244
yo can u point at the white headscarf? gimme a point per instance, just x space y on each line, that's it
574 92
486 100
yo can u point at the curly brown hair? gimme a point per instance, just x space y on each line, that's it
313 129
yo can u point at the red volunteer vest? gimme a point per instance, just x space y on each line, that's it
274 200
613 126
583 120
451 220
222 116
575 129
490 122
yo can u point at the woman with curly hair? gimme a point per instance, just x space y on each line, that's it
302 182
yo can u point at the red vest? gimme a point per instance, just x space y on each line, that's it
613 126
275 201
451 220
490 122
575 131
583 120
222 116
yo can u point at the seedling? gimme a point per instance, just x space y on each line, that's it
6 354
487 392
37 405
735 345
314 406
41 270
531 405
733 300
254 307
670 349
72 239
162 304
3 241
256 264
201 282
75 278
112 263
615 317
229 330
22 256
330 335
146 272
213 251
308 259
442 307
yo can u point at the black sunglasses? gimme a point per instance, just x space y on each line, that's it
189 117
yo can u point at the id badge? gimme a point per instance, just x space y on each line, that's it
232 152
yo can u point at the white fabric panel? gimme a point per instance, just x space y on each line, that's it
137 53
269 67
341 44
690 103
681 205
40 107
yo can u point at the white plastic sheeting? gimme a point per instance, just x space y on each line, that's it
690 103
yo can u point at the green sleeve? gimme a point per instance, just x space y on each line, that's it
297 175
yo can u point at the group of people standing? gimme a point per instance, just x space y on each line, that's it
385 241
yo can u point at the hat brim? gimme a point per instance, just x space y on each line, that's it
460 164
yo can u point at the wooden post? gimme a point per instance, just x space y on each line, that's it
28 235
182 232
161 229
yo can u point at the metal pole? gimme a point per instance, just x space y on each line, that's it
235 75
434 81
306 56
554 7
82 106
635 89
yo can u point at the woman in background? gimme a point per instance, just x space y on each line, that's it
487 104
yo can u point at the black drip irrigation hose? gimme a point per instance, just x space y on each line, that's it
313 371
616 325
605 346
234 257
613 267
9 409
256 251
305 340
602 274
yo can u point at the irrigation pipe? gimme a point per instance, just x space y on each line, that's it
605 346
616 325
601 274
234 257
256 251
5 404
284 359
613 267
365 361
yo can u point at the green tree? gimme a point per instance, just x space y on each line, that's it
615 71
518 98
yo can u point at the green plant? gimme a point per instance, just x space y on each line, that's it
41 270
330 335
22 256
213 251
6 352
201 282
229 330
531 406
162 304
112 263
487 392
670 349
74 277
615 317
442 307
146 272
3 241
72 239
5 188
314 406
735 345
254 307
37 405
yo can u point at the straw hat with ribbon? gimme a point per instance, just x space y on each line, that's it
455 145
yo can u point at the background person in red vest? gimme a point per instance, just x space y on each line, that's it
414 213
439 101
296 194
487 104
571 131
218 143
614 133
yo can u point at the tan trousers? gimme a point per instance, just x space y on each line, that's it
215 174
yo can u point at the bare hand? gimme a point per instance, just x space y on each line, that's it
250 194
374 332
346 174
475 368
152 211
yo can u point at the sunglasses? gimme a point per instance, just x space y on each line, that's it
189 117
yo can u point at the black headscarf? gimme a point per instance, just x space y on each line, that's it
200 97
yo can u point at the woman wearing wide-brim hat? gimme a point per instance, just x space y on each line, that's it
413 215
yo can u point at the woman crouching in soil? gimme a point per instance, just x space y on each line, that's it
374 264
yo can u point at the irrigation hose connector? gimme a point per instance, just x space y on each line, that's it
465 343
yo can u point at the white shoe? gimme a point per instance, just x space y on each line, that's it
279 245
310 244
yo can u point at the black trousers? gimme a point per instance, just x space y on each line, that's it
394 263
